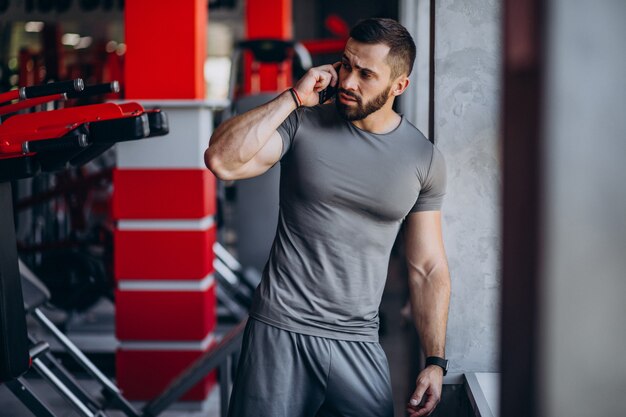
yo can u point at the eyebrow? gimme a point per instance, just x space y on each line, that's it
366 70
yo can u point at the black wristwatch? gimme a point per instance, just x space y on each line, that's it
436 360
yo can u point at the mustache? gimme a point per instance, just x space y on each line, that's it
350 94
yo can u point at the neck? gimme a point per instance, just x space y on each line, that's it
384 120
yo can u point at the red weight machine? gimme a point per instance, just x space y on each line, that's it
50 141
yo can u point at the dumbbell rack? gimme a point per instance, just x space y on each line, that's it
50 141
14 358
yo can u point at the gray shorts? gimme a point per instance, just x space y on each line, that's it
286 374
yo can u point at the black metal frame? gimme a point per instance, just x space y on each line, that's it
13 340
222 357
217 357
23 391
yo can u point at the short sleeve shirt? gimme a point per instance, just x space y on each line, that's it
344 193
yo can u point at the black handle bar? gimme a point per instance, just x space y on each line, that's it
92 90
67 143
52 88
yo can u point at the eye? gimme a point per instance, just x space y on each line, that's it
345 65
366 75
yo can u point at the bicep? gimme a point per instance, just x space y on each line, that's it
263 160
424 240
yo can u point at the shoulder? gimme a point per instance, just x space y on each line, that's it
306 117
418 139
319 115
428 160
417 145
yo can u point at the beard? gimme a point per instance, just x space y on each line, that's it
361 111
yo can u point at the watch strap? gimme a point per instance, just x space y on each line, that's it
436 360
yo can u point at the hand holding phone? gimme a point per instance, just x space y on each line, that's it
328 93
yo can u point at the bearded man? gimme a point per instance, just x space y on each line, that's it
353 172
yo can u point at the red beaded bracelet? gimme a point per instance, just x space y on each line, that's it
295 96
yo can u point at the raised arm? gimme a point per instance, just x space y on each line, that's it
429 286
247 145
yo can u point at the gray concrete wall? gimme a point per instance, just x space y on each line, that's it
415 101
467 108
584 277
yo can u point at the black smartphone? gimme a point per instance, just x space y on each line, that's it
327 94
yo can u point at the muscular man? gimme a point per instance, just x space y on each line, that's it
352 173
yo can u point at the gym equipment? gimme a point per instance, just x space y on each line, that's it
26 143
50 368
76 278
14 351
227 263
61 87
70 137
76 128
72 256
51 140
16 357
35 295
27 97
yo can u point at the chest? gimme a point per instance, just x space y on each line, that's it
378 178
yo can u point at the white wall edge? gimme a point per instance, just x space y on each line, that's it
166 285
202 224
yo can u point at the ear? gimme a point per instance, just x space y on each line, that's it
399 85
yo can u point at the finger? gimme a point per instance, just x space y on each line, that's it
335 73
329 78
323 81
411 411
416 398
331 72
427 408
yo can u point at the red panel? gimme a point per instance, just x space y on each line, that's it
165 315
142 375
325 46
163 254
268 19
163 194
166 49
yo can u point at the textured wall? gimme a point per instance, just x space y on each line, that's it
467 88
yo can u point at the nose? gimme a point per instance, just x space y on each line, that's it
348 81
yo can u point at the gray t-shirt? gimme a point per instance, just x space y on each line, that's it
344 193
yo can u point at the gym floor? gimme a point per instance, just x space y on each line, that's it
398 338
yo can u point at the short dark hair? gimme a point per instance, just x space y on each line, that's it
391 33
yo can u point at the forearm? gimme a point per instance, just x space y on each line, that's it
430 299
429 286
236 141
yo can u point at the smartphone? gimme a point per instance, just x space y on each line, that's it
327 94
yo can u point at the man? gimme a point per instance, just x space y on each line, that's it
352 173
